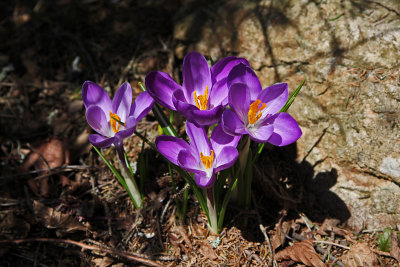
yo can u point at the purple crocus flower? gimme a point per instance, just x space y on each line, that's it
201 156
255 111
113 120
204 93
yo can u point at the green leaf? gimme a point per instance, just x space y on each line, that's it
116 173
292 97
225 204
337 17
384 240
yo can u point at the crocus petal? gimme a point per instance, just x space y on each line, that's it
196 75
244 74
189 162
122 101
170 146
206 117
161 87
92 94
101 141
262 133
275 96
231 123
98 121
226 158
219 94
286 129
198 138
128 129
219 139
222 68
181 104
142 105
239 100
203 180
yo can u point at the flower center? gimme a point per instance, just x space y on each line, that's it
115 122
255 111
207 160
201 100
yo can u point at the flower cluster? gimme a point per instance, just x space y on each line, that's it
203 99
227 98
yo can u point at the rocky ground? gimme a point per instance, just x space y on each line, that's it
331 198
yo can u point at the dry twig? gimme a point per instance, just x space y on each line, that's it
84 246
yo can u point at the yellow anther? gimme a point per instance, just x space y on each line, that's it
115 122
201 100
255 111
207 160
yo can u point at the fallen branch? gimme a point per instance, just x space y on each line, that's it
331 243
84 246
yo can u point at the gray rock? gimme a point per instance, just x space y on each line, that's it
349 52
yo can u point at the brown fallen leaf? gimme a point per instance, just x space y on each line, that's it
179 230
301 252
207 251
394 248
103 262
53 219
360 255
13 227
50 153
279 237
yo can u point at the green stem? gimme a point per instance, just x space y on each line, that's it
177 203
128 177
146 140
185 202
227 197
213 222
244 153
239 194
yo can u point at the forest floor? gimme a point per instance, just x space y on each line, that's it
61 206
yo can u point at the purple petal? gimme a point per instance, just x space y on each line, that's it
170 146
275 96
189 162
122 101
181 104
203 180
198 138
262 133
128 129
239 100
206 117
219 94
226 158
92 94
142 105
286 129
244 74
196 75
161 87
101 141
219 139
231 123
98 121
222 68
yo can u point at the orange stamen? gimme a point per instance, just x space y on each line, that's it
207 160
115 122
255 111
201 100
